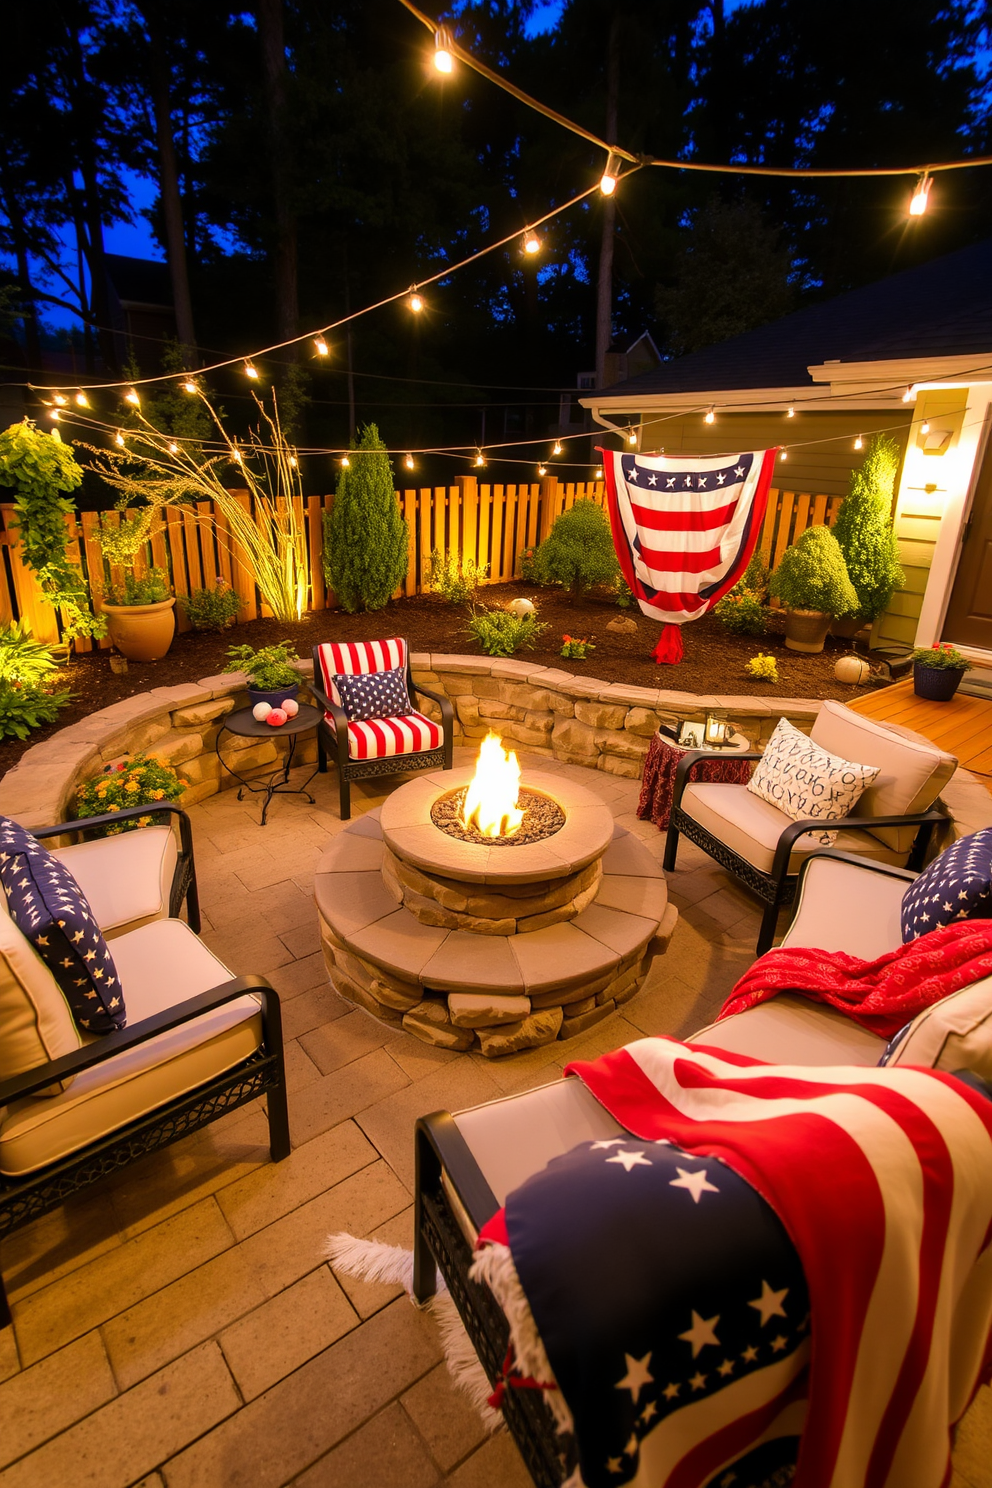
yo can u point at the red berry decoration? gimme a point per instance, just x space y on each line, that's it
276 717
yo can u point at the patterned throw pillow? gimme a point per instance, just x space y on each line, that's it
807 783
956 886
50 910
374 695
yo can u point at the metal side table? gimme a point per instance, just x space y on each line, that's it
246 726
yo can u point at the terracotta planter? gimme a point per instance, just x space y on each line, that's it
806 630
847 626
939 684
142 632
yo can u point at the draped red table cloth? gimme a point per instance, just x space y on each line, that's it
658 779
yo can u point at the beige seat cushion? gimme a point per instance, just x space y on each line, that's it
751 827
912 772
843 907
160 964
953 1034
790 1030
127 879
35 1022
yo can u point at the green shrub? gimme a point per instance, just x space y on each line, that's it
145 589
527 568
365 539
742 612
25 706
812 575
576 648
624 593
864 528
763 668
212 609
22 658
942 656
501 634
755 577
267 670
138 780
456 583
578 551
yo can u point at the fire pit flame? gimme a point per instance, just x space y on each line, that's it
491 799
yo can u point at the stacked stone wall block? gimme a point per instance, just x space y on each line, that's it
539 1028
580 1022
429 1021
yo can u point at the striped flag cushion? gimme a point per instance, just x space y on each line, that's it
359 658
380 737
376 738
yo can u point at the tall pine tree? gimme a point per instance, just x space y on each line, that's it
864 528
366 538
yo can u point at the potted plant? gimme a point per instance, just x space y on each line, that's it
811 581
140 617
272 678
866 537
937 671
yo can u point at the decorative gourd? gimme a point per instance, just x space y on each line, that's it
853 669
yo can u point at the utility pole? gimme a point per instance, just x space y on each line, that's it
604 286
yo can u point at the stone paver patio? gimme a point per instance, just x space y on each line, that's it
177 1325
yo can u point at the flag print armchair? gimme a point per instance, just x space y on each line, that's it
371 724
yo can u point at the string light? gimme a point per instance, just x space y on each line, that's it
82 400
532 243
345 463
53 413
920 197
710 416
251 370
173 449
783 454
60 399
599 473
611 175
189 386
236 457
925 427
542 469
320 346
557 448
119 439
790 413
859 443
480 459
408 462
293 461
631 436
907 395
131 397
443 60
416 303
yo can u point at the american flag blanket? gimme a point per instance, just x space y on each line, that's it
685 530
783 1273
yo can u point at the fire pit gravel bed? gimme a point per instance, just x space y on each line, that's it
543 817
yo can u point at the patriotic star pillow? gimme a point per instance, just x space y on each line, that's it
50 910
374 694
956 886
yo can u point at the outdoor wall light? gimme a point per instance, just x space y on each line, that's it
443 60
611 175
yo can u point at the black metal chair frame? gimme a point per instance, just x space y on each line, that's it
184 876
334 742
25 1199
439 1243
777 888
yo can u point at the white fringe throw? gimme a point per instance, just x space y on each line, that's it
370 1260
494 1266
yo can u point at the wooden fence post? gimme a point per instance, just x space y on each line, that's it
468 490
549 499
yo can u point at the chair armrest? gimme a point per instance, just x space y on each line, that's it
866 865
127 813
694 757
443 702
440 1145
129 1038
797 829
338 715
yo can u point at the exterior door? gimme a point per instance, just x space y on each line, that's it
969 614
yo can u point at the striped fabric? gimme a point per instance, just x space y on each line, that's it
378 738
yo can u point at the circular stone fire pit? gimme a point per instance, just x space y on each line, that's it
492 945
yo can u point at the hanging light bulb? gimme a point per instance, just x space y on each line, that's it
345 463
710 417
542 469
532 243
293 461
59 399
408 462
611 175
173 448
557 448
480 459
859 443
790 413
189 386
131 397
54 414
599 473
631 436
236 457
251 371
81 399
320 346
783 454
416 303
443 60
925 427
918 202
907 395
119 439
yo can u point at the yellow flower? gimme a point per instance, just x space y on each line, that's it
114 807
132 785
158 795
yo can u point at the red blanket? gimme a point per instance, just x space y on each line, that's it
882 995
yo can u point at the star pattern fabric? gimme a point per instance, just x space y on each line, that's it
374 695
956 886
50 910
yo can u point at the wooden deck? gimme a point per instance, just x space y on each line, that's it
963 726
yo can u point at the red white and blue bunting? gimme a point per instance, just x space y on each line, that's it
685 530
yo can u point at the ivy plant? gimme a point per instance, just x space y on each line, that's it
41 469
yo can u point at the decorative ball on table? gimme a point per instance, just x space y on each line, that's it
290 707
276 717
853 669
261 711
521 607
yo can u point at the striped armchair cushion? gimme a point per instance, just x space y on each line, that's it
377 738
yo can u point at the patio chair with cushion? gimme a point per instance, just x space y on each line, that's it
468 1162
371 724
764 846
77 1102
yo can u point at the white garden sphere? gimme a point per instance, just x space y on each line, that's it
521 607
852 669
290 707
261 711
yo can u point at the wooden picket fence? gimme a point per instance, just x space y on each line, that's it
491 524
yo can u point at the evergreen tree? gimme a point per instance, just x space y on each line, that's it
864 528
367 557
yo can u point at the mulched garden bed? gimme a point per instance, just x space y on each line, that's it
714 660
